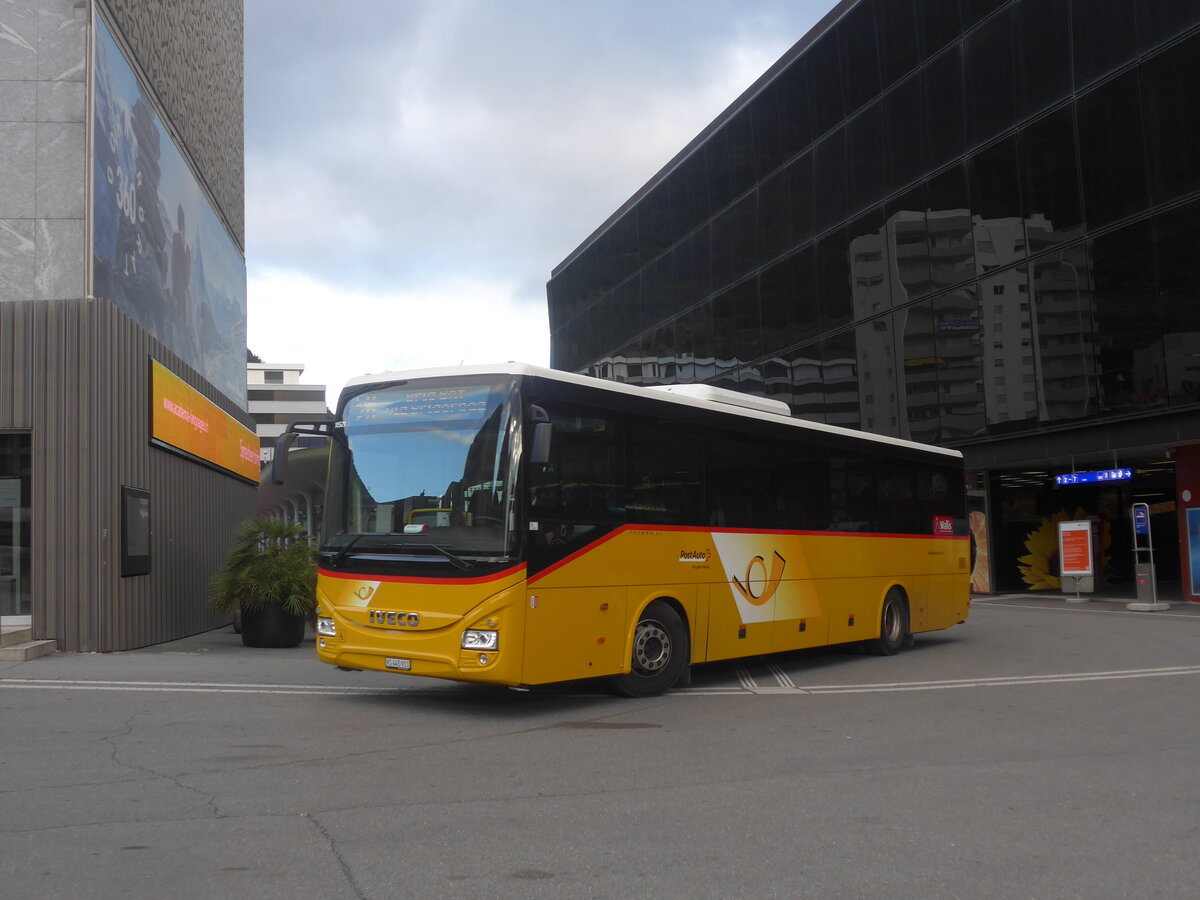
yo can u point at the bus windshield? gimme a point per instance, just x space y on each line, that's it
425 468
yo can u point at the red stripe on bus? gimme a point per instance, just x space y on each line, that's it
401 579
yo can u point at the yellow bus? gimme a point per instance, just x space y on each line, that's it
522 526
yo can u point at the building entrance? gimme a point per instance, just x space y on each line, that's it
15 525
1027 506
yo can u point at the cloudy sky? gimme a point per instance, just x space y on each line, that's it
416 168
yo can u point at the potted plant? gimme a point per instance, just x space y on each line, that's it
270 577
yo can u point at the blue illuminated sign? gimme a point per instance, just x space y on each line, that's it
1093 477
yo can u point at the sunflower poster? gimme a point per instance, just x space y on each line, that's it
1039 566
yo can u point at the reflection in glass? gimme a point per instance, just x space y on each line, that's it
951 245
870 267
1112 153
1006 338
860 56
1050 180
1177 237
777 380
833 281
1170 95
839 372
957 338
1042 42
876 353
919 397
789 300
807 387
454 487
903 160
896 24
1103 40
908 239
830 180
942 90
989 58
1066 352
1128 322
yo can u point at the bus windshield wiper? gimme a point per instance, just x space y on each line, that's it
456 560
343 551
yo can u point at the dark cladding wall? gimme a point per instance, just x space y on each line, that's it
75 374
950 221
201 91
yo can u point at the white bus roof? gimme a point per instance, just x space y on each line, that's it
698 396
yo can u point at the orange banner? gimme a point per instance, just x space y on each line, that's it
185 419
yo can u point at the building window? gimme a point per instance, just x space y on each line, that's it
273 376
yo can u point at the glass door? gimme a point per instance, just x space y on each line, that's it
15 522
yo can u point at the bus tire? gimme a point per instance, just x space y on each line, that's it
660 652
893 626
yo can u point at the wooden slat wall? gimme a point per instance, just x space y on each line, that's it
76 375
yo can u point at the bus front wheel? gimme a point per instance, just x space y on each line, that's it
660 652
893 626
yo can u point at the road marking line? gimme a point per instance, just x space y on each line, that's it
785 684
781 676
1084 609
746 679
957 683
99 683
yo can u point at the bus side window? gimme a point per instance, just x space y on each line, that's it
851 493
801 486
740 485
581 480
665 466
895 505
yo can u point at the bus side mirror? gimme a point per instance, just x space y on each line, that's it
540 454
283 443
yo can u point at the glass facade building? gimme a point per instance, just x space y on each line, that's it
965 222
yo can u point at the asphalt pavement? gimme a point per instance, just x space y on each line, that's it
1046 748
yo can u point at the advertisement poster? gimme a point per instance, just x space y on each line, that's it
1075 549
160 252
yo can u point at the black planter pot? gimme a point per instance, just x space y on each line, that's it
272 626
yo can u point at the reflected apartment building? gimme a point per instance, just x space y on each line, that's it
965 222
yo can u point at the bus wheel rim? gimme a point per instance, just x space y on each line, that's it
651 647
891 622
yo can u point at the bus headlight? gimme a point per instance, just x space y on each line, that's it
480 640
326 627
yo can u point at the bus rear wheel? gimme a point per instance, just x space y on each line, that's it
893 626
660 652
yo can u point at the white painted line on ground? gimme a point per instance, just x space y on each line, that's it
785 684
746 679
957 683
1083 608
182 687
781 676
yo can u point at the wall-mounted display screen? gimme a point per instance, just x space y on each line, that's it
135 531
159 250
184 420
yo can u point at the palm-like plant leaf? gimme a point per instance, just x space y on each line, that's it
270 562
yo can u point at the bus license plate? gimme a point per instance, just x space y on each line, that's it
404 665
